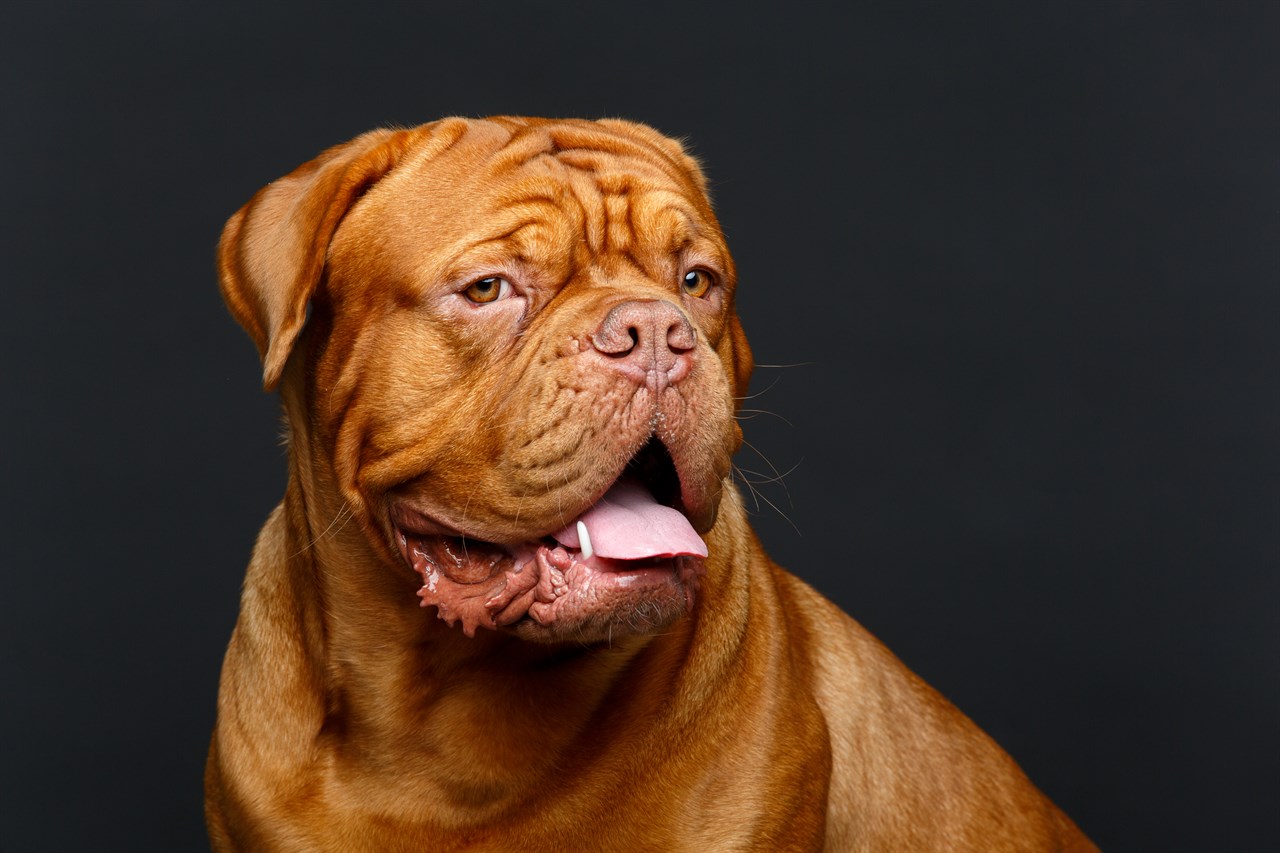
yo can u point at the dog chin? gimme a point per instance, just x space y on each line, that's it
644 612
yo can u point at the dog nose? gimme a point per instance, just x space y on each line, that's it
649 340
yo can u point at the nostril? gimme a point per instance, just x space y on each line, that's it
681 336
615 342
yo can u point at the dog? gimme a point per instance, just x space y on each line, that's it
511 599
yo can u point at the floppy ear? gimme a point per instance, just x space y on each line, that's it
672 147
272 251
740 361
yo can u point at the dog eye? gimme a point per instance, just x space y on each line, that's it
697 283
488 290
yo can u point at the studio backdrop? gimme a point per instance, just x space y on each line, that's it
1009 272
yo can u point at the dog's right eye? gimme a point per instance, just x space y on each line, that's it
488 290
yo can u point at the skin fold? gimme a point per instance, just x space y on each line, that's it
477 328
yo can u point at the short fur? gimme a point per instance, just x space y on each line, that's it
349 718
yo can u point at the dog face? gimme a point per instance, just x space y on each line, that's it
520 364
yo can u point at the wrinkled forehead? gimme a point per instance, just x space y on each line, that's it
549 194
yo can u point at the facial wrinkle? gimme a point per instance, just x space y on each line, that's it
594 214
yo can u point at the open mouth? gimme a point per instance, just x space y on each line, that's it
633 545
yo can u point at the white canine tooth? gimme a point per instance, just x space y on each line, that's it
584 539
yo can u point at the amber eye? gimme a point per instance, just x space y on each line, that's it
488 290
697 283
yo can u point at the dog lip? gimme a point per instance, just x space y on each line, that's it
412 520
682 494
703 519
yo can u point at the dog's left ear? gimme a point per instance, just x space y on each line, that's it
672 147
736 354
272 252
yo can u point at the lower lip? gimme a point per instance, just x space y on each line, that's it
637 577
624 573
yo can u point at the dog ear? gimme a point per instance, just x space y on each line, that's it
272 252
672 147
740 360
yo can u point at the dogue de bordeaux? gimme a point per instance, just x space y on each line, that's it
511 600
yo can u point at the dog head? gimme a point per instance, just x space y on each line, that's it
516 348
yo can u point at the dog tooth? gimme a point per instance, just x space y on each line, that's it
584 539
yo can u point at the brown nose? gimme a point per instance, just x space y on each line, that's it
649 340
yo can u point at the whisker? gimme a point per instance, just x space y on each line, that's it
755 497
559 506
546 479
785 517
754 413
758 393
767 479
344 510
465 508
772 468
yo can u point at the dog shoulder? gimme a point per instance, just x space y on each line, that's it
909 769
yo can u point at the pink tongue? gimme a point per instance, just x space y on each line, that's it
628 524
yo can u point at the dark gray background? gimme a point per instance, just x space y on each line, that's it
1027 255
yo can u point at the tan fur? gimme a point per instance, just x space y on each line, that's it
349 718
